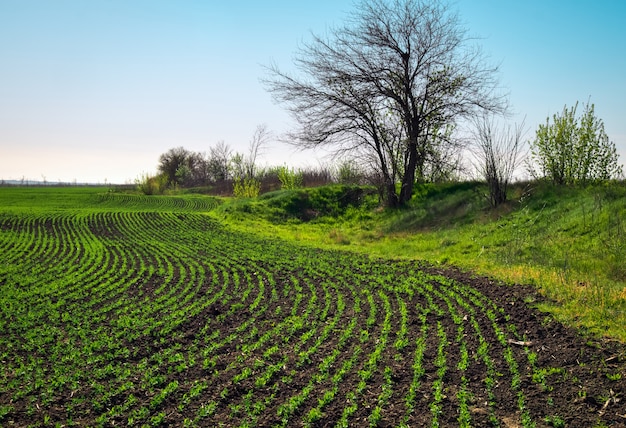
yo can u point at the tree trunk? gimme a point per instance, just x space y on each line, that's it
391 198
409 175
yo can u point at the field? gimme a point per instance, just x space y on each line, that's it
127 310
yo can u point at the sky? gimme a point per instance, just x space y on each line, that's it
94 91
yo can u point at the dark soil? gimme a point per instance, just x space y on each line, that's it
565 379
590 387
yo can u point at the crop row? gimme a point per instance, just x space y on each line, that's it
158 316
162 203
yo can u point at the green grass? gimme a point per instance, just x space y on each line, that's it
570 242
299 205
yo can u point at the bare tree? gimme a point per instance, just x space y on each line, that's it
260 139
219 162
245 165
499 151
391 81
246 177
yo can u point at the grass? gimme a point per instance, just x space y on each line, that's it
570 242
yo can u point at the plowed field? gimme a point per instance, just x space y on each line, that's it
131 311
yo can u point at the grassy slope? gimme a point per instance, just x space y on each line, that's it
569 242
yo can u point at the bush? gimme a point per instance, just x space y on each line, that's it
152 185
311 203
575 149
289 178
246 187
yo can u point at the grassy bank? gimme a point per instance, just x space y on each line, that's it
568 242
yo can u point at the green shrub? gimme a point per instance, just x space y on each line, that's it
575 149
246 187
289 178
151 185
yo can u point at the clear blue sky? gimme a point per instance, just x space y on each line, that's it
95 90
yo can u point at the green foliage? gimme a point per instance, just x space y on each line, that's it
575 149
152 185
246 187
555 421
304 205
614 376
183 174
314 203
290 179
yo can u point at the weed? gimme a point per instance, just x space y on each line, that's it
555 421
614 376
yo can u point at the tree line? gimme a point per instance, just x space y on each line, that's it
394 91
224 171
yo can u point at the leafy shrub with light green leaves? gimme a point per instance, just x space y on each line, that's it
289 178
574 149
246 187
151 184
